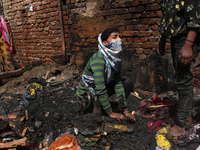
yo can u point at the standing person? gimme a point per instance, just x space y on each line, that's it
102 76
181 23
6 46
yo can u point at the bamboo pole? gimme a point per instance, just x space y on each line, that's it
61 28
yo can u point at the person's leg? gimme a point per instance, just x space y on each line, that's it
117 102
128 86
183 81
84 98
97 109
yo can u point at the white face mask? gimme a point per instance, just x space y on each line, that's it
115 45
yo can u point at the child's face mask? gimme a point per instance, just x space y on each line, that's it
115 45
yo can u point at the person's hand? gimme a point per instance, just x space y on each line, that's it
127 114
161 46
117 116
186 53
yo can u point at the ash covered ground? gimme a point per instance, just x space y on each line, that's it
56 111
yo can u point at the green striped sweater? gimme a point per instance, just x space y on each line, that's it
96 67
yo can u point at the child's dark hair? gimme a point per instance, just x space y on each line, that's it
106 33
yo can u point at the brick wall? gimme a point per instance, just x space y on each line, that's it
37 33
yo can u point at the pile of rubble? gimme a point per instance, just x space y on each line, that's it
40 106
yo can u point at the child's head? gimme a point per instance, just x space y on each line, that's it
110 34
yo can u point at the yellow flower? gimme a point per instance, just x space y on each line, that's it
177 6
170 20
182 3
172 31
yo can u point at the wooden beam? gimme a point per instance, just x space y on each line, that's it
13 144
8 74
18 72
61 28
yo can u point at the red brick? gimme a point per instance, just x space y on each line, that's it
121 11
147 51
135 3
155 27
121 23
141 27
155 33
82 40
128 33
153 7
168 46
93 40
143 33
77 49
152 14
73 49
168 40
137 40
129 27
139 51
122 28
48 52
113 17
136 9
129 39
136 15
148 45
127 16
143 2
75 26
72 16
69 22
159 13
108 12
144 39
77 44
144 15
137 45
153 39
86 44
107 6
